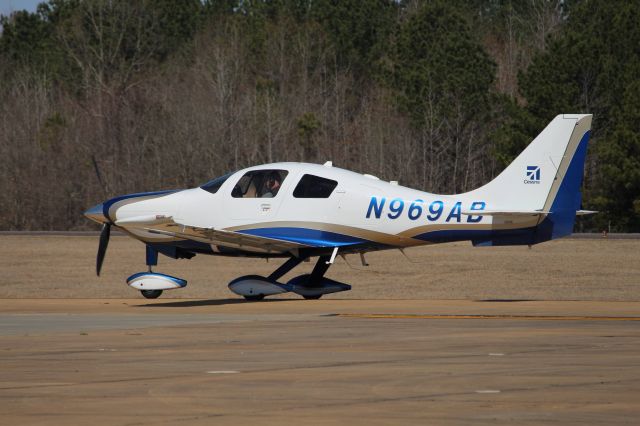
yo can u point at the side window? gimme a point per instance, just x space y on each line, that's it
259 184
311 186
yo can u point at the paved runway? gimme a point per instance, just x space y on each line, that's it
117 361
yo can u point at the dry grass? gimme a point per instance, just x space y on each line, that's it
570 269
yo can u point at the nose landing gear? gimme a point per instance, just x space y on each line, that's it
152 284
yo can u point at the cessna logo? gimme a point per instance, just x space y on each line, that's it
533 174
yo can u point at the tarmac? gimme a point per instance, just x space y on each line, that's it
324 362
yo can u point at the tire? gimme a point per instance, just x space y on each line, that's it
151 294
316 297
255 298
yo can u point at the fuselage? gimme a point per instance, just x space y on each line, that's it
354 211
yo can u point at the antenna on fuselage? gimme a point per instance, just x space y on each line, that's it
344 257
407 257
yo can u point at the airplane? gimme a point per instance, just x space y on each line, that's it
299 211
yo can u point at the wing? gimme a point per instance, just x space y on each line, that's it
165 225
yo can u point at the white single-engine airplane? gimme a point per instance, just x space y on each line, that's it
298 211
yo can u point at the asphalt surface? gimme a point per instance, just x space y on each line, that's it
130 361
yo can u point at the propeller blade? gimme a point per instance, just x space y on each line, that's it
102 248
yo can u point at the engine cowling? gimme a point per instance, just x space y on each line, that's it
155 281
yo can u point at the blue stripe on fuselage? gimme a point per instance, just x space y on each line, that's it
107 204
481 236
312 237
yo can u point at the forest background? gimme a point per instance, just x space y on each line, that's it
105 97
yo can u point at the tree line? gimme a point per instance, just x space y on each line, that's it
104 97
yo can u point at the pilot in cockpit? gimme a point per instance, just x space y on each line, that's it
271 185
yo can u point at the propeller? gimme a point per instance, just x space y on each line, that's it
102 247
106 227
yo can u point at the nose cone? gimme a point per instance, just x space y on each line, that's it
96 213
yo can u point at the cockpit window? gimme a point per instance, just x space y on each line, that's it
259 184
213 185
311 186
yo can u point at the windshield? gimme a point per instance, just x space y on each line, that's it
213 185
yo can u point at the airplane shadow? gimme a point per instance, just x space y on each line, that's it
208 302
221 302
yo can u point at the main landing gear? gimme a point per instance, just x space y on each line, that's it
310 286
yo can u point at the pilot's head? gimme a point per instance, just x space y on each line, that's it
273 181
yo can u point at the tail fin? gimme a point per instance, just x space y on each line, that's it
545 178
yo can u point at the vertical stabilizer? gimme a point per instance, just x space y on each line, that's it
546 177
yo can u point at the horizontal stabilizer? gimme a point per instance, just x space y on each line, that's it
504 212
519 212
